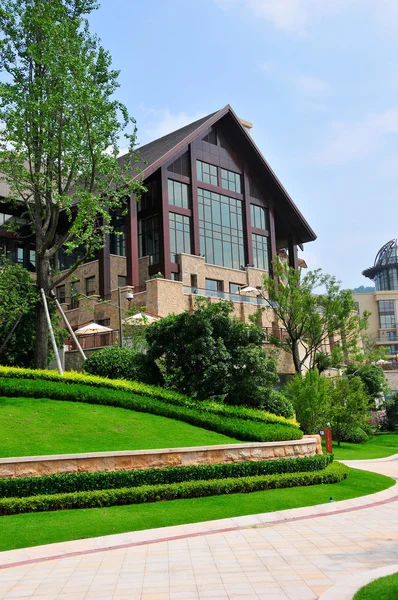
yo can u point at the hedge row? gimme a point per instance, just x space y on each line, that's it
234 427
150 391
154 493
21 487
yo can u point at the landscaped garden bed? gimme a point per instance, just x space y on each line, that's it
32 529
235 422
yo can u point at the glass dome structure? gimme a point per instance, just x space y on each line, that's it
385 269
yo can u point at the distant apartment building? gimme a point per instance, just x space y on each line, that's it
383 302
212 219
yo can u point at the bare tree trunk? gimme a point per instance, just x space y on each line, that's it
296 357
43 281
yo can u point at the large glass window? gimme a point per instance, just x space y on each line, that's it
149 198
121 280
386 314
214 288
206 172
259 217
260 252
90 285
178 194
60 294
221 229
180 235
387 279
67 260
118 236
148 238
231 181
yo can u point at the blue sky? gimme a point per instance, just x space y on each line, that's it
317 78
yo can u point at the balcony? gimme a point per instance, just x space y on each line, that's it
258 301
95 340
275 332
387 340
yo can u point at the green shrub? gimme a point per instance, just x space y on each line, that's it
368 429
355 436
149 391
123 363
231 426
390 422
310 395
275 402
82 482
334 473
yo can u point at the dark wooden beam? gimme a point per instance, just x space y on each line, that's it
292 248
133 274
165 224
247 217
104 269
195 204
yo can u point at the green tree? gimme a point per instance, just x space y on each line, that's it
59 135
312 318
310 395
348 407
18 300
209 353
373 380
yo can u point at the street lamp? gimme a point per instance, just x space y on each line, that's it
129 297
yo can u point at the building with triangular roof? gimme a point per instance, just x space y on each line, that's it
213 217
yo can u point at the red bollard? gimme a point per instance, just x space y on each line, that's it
328 440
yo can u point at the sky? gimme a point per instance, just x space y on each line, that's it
317 78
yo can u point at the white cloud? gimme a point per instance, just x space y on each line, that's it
310 85
359 138
163 122
291 16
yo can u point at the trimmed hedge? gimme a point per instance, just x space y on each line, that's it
150 391
334 473
235 427
82 482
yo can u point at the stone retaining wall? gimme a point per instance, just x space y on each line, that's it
27 466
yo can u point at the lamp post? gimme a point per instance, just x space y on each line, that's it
129 297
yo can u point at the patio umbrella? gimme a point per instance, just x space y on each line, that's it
140 318
248 289
92 328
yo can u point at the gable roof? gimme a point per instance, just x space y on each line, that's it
155 154
152 152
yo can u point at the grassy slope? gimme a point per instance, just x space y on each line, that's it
25 530
385 588
378 446
33 427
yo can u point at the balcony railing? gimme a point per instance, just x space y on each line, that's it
188 290
275 332
95 340
387 340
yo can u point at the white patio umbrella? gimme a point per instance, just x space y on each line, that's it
248 289
139 319
92 328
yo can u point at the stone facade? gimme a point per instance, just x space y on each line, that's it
33 466
163 297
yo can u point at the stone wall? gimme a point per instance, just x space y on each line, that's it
149 459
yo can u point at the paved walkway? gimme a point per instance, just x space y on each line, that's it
297 554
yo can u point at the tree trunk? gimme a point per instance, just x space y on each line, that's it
296 357
43 282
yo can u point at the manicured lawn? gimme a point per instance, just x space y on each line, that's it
385 588
25 530
33 427
378 446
